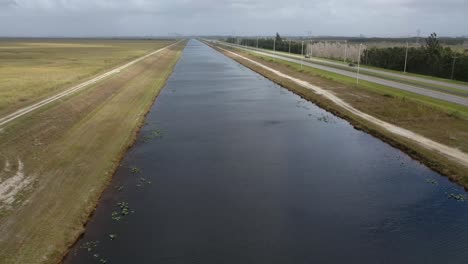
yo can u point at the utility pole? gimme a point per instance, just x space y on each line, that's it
311 49
302 53
453 67
310 41
406 57
358 65
289 45
345 51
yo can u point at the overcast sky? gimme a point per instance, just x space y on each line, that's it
239 17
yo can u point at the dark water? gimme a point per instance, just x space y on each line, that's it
247 172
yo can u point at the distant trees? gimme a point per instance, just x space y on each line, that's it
267 43
430 59
278 38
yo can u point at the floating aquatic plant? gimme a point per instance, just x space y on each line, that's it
156 133
323 119
458 197
90 245
432 181
142 181
326 119
124 209
135 170
116 216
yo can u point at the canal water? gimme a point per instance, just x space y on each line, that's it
232 168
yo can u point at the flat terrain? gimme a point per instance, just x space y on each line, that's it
56 161
32 69
435 120
248 172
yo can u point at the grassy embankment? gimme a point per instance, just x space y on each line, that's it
34 69
65 154
437 120
343 66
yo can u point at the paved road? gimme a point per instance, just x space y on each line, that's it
406 87
23 111
364 68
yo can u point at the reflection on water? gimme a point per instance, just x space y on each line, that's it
243 171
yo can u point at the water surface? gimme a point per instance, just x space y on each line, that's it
248 172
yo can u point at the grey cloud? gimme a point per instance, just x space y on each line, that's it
7 3
252 17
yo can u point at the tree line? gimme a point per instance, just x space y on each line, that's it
279 44
431 58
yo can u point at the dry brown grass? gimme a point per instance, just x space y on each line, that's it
34 69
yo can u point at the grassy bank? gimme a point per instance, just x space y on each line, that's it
435 120
451 108
65 154
34 69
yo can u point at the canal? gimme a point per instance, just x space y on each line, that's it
232 168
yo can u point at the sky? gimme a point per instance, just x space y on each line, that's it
93 18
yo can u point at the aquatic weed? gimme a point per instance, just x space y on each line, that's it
142 181
155 133
90 245
323 119
135 170
116 216
458 197
432 181
326 119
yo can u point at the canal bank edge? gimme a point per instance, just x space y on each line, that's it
119 157
455 171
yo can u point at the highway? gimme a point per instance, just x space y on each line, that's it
394 84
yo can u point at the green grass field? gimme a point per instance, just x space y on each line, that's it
37 68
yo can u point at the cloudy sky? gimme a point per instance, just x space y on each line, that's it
239 17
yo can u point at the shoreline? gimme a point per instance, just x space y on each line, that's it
132 141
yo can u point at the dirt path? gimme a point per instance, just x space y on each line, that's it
449 152
15 115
